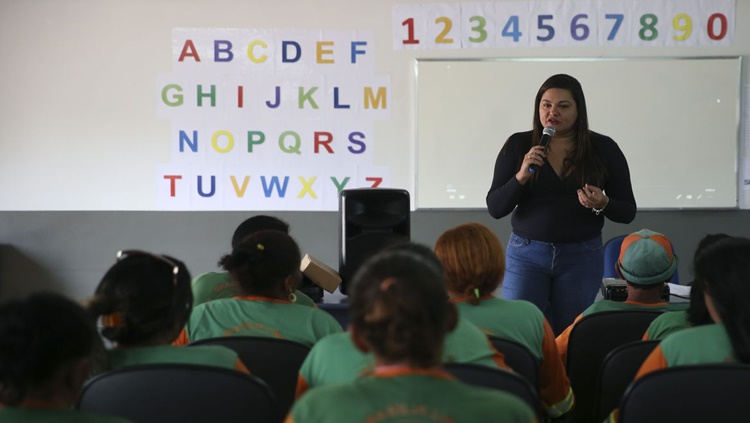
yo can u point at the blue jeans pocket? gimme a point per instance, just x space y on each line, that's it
517 242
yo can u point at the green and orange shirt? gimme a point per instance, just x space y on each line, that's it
210 355
669 322
258 316
607 305
217 285
399 393
523 322
335 359
699 345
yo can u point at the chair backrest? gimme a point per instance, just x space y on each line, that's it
519 358
502 380
618 371
612 253
162 393
276 361
696 393
591 339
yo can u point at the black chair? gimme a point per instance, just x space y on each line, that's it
276 361
618 371
696 393
165 393
519 358
591 339
506 381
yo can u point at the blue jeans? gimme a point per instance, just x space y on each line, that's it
561 279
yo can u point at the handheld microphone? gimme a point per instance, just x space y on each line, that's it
547 134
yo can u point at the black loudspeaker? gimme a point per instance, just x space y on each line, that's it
370 219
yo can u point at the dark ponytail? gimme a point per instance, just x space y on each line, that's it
140 299
724 270
399 305
262 261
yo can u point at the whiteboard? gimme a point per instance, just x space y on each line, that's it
676 120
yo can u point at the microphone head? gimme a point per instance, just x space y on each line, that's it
550 130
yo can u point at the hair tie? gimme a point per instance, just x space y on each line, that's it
260 247
113 320
476 292
386 284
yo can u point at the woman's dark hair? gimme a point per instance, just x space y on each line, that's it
262 261
697 313
141 299
723 269
38 336
399 305
258 223
473 259
582 164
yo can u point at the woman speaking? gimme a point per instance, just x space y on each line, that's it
560 180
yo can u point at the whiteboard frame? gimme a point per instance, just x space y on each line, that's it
737 117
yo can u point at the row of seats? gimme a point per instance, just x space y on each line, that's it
605 353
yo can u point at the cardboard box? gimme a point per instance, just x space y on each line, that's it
320 273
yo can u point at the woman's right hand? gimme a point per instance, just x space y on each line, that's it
535 156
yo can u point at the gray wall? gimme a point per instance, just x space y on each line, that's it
69 251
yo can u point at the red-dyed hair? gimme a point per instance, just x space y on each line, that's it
473 258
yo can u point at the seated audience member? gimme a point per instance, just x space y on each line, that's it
400 313
336 359
142 302
215 285
646 263
266 265
695 315
474 264
46 348
723 269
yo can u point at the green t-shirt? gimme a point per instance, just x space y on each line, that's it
517 320
46 415
216 285
699 345
403 396
260 316
335 359
667 323
210 355
608 305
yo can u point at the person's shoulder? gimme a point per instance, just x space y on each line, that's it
604 143
209 277
218 351
313 404
522 306
519 137
482 400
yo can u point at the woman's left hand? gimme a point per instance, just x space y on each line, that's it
592 197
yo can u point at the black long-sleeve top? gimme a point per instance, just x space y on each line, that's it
547 209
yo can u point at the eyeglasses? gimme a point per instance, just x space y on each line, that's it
175 269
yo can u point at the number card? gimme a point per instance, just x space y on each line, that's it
566 23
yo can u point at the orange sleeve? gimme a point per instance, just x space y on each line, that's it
301 387
655 361
240 366
562 339
289 419
182 339
645 336
554 385
498 357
